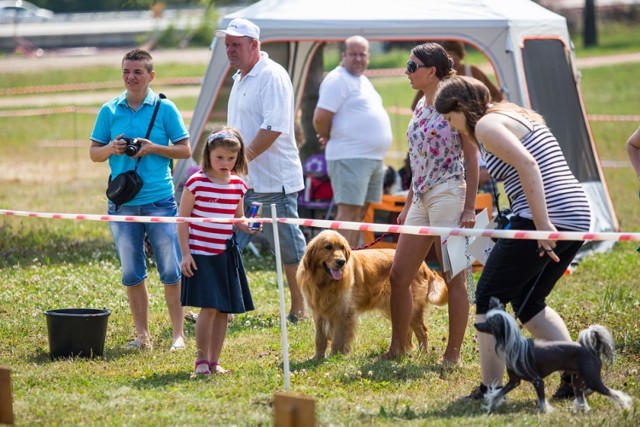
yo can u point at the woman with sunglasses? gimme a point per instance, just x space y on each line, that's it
443 191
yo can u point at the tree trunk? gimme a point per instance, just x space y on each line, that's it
590 28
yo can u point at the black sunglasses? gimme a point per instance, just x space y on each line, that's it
412 66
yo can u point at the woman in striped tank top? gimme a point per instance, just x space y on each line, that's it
213 276
544 195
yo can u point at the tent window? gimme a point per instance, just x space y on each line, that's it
553 92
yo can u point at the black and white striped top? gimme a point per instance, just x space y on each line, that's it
567 202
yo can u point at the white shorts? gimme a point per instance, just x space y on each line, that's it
439 207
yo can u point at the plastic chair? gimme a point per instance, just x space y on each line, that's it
389 206
317 196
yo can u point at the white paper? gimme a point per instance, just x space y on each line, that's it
481 246
454 248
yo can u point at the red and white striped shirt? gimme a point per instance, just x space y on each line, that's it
213 201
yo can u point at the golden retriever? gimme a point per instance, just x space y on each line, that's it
338 284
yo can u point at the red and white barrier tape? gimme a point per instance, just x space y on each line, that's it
379 228
48 111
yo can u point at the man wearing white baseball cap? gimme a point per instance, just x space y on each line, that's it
240 27
261 107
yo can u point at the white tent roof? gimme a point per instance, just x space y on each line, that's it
317 17
491 25
498 28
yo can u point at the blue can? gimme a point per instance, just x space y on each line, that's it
255 212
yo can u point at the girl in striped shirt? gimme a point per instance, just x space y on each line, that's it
544 195
213 275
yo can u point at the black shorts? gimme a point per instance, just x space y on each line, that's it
514 267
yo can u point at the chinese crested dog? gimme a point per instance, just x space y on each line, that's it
532 360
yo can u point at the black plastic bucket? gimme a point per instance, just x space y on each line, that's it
77 331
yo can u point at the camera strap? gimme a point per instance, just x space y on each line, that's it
153 119
496 199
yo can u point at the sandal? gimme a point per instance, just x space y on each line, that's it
191 317
178 345
142 342
206 371
294 318
217 369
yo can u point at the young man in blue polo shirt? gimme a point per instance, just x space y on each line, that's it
129 116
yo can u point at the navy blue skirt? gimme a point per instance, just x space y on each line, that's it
220 282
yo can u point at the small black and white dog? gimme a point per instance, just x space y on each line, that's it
532 360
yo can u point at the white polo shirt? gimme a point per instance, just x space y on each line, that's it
263 99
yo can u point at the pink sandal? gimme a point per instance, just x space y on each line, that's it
206 371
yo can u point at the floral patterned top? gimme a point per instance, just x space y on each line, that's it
435 150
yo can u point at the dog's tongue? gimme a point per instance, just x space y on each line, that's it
336 274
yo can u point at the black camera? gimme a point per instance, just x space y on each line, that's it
132 146
503 219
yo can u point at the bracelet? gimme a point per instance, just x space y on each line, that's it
470 211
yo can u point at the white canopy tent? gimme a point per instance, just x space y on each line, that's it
528 46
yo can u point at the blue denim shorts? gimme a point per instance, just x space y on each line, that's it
129 241
292 241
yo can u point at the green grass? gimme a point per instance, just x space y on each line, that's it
155 388
92 75
613 38
611 89
48 264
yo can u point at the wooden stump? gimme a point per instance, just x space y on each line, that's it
293 411
6 399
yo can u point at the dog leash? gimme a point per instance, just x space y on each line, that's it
526 298
376 240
